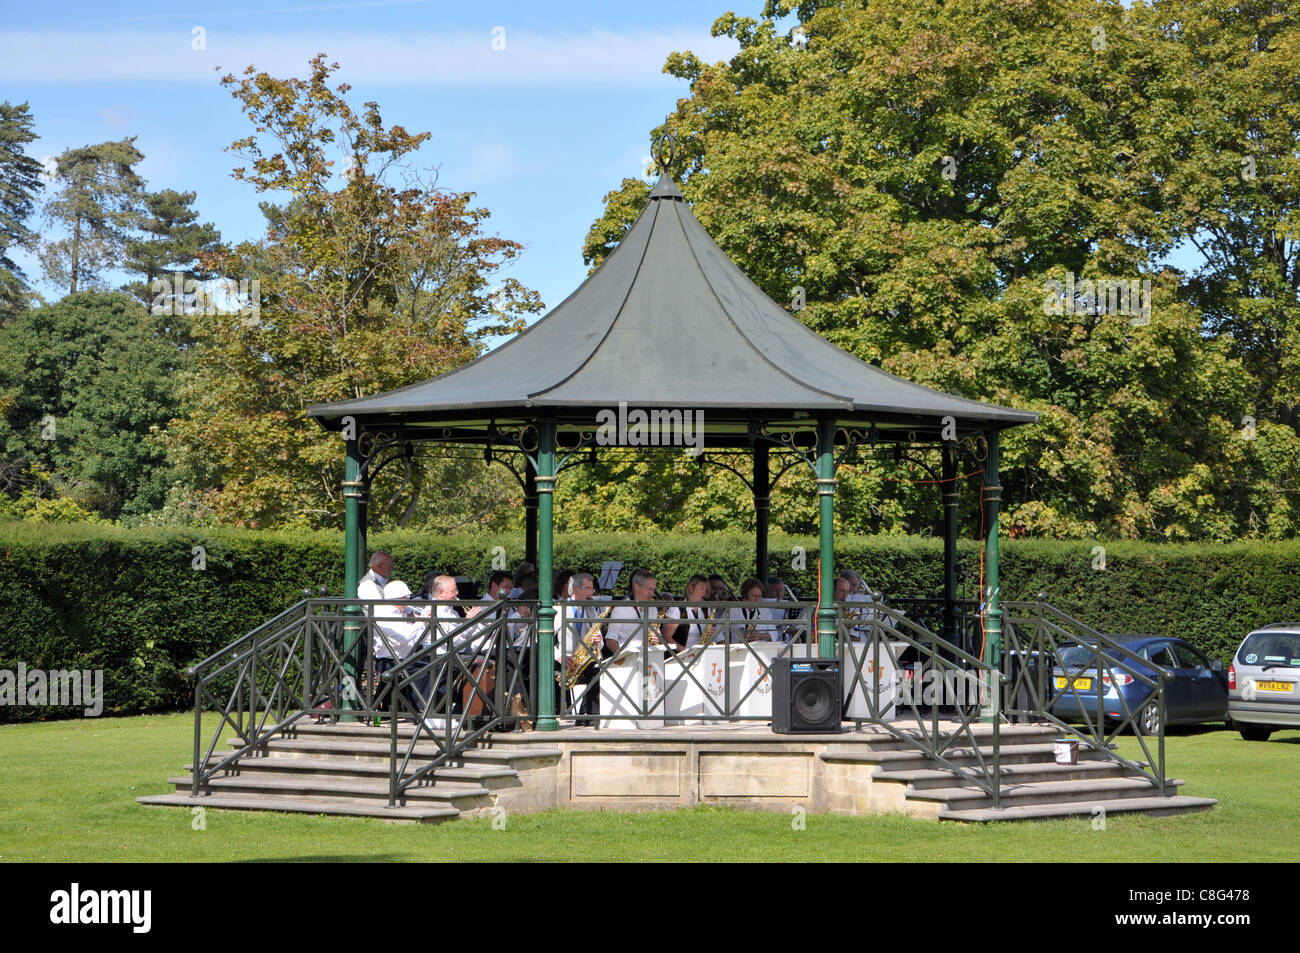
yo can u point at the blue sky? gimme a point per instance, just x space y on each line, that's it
541 130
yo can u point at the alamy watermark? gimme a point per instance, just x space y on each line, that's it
60 688
675 427
1126 296
75 905
179 295
933 686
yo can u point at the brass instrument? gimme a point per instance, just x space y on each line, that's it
587 652
654 631
706 637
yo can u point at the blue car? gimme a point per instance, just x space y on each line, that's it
1197 692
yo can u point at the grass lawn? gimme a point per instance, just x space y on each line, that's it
68 789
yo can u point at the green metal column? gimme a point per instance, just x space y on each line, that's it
545 576
950 498
992 594
826 614
762 504
530 515
353 559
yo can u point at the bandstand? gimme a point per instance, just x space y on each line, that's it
672 346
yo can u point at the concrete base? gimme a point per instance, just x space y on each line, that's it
738 766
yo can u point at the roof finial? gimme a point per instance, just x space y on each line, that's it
665 143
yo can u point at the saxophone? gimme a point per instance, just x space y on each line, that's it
586 654
654 631
709 634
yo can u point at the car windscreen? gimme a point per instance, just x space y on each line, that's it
1079 656
1275 649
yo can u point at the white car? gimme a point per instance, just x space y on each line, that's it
1264 682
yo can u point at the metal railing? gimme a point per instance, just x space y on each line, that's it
902 669
455 680
322 658
468 680
1034 637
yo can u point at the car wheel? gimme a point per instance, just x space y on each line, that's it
1255 732
1148 720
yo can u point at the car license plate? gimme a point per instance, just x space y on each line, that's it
1273 686
1082 684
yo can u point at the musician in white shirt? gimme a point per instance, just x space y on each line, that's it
848 588
694 621
575 624
500 585
752 623
621 635
466 642
371 585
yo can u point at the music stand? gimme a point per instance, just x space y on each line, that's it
609 573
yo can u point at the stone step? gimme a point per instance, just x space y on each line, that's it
490 776
1155 806
961 797
465 798
920 779
873 738
417 814
379 750
908 758
523 756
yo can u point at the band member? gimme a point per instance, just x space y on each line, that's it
628 634
848 589
694 619
751 622
719 591
500 584
796 625
574 625
371 585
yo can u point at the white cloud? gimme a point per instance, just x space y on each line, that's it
598 58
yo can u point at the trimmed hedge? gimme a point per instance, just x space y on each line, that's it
77 596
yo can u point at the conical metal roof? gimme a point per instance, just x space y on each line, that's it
668 320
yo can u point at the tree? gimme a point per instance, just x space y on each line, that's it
1236 186
86 385
369 280
933 177
172 243
97 202
20 183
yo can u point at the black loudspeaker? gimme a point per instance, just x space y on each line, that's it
807 696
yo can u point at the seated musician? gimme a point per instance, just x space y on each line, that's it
468 642
572 625
795 625
575 625
500 584
521 615
858 613
753 621
693 620
525 577
719 591
398 629
629 633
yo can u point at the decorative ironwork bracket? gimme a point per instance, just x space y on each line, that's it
379 448
785 440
